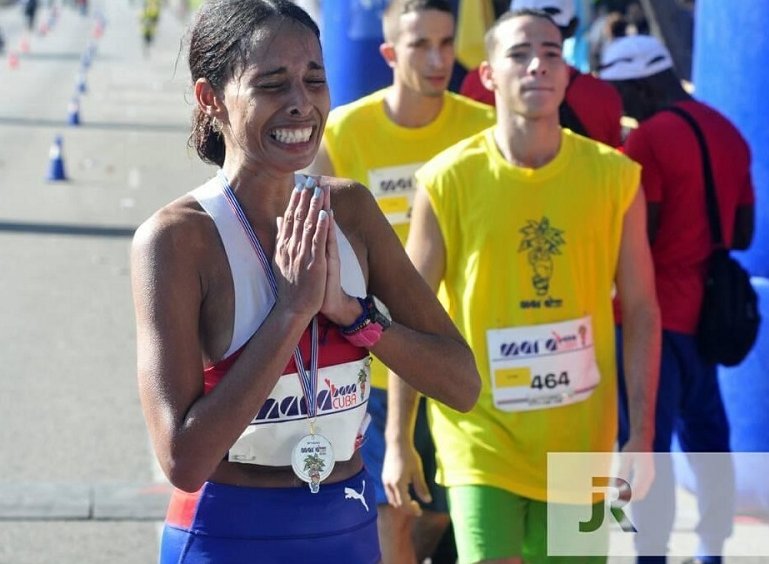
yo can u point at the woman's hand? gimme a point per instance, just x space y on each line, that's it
300 262
337 306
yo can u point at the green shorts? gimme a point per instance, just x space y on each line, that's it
491 523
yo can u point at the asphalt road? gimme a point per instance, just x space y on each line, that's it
78 482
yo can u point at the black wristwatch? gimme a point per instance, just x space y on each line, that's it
377 311
374 313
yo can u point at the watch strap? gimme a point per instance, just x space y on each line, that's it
365 331
363 319
366 337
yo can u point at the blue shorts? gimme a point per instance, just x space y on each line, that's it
373 450
223 523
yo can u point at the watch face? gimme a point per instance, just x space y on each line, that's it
383 312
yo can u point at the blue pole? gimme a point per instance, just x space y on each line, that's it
352 33
730 73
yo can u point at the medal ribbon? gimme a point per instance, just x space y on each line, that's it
309 382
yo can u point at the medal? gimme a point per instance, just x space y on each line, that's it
313 456
313 460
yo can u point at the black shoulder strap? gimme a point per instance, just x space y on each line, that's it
707 175
567 117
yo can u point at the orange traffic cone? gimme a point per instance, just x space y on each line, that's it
56 171
98 30
13 60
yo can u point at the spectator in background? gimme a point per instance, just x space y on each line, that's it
380 140
526 227
591 107
30 12
149 17
689 401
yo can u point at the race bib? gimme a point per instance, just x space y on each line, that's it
542 366
394 188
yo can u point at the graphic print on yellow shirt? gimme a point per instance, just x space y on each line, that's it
365 145
541 241
527 248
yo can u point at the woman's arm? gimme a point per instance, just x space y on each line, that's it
402 465
422 345
192 432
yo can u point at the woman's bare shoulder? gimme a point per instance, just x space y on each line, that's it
350 200
178 228
343 187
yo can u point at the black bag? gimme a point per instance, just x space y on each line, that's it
729 317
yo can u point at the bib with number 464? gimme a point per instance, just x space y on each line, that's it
542 366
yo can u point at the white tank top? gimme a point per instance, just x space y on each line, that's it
343 386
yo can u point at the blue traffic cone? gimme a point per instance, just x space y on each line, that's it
82 87
56 162
73 112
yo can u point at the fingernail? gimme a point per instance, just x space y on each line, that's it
317 192
299 187
310 183
323 214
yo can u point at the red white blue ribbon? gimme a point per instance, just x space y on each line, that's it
309 381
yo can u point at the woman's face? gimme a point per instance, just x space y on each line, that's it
277 107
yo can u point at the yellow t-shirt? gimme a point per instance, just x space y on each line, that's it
489 212
365 145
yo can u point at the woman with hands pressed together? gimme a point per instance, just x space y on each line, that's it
258 297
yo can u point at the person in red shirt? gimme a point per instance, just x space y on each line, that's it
591 107
689 399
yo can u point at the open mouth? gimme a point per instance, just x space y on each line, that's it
292 136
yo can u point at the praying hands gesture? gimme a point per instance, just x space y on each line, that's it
306 263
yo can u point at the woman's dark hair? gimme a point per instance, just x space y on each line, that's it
221 39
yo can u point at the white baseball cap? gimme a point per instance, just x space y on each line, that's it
634 56
562 11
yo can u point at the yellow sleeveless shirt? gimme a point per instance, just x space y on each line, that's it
526 247
365 145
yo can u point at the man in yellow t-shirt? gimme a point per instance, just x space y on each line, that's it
380 140
528 226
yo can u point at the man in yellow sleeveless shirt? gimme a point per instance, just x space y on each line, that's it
528 226
380 140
